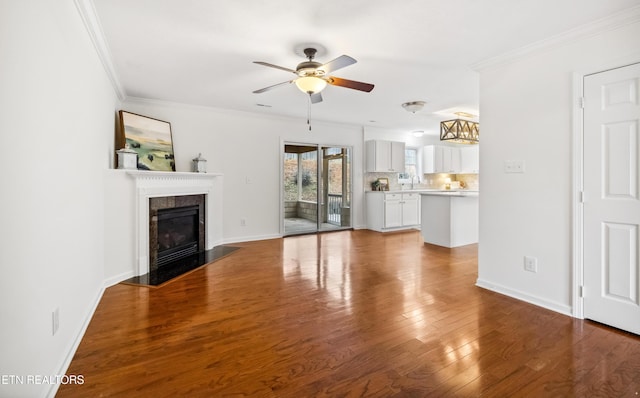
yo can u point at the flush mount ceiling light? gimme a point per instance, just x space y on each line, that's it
413 106
460 130
418 133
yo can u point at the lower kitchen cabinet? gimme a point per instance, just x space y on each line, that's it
392 211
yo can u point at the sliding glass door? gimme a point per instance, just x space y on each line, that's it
316 188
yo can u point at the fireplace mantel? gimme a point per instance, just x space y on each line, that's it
149 184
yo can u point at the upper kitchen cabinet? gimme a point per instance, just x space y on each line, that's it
470 160
441 159
449 159
385 156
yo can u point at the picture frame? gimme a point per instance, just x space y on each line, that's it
384 183
150 138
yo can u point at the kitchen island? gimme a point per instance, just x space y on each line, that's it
449 218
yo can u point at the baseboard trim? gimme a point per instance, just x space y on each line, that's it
62 369
114 280
251 238
516 294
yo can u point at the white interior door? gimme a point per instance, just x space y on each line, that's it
612 205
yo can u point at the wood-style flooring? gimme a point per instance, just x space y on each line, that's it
344 314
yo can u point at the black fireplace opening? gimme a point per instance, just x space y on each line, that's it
178 233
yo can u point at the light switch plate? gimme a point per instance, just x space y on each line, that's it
514 166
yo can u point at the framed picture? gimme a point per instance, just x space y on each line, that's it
150 139
384 184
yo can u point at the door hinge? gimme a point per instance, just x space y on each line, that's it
581 102
581 196
581 291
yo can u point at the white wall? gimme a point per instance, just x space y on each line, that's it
57 134
240 145
527 109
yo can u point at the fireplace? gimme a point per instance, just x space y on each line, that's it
177 233
176 228
153 190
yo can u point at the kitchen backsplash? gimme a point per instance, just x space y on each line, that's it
428 181
437 181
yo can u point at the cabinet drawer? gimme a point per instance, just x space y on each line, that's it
392 196
406 196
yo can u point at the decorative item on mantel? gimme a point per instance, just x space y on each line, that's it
127 158
200 164
150 138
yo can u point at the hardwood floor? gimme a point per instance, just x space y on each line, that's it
344 314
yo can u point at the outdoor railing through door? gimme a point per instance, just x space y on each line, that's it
335 208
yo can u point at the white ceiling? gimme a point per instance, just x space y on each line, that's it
201 52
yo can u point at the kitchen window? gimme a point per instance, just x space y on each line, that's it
410 166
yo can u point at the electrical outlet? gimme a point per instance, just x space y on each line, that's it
55 321
530 264
243 222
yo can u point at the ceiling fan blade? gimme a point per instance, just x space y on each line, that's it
262 90
338 63
274 66
336 81
315 98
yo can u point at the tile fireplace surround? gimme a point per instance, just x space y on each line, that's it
153 184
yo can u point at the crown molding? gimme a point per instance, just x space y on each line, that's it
227 111
614 21
88 14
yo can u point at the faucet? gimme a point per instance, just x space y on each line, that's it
412 177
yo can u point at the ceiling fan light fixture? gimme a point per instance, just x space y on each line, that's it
311 84
413 106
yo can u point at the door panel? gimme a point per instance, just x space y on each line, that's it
336 194
620 159
620 277
300 189
612 207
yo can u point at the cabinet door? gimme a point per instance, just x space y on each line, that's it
378 156
397 157
410 209
429 159
442 160
392 210
450 158
455 160
470 160
383 156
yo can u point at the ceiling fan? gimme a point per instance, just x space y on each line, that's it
313 77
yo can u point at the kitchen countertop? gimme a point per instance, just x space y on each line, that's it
434 192
451 193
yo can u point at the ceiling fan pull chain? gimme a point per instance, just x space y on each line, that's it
309 112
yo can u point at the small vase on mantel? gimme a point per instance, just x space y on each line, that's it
199 164
127 158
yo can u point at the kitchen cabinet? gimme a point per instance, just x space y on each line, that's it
390 211
441 159
384 156
449 159
449 219
470 160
